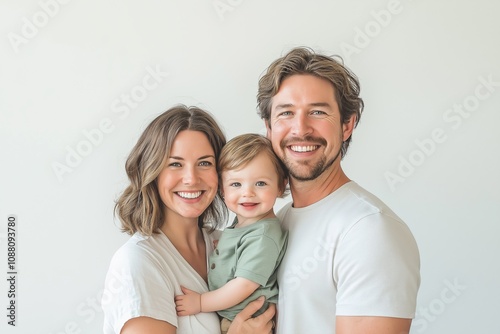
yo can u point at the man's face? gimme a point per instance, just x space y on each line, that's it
305 126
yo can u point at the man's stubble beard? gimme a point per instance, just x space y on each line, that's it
313 172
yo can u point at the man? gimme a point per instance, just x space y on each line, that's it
351 266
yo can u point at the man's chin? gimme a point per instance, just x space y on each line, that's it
303 174
307 172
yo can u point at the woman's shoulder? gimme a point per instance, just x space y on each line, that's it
142 259
138 251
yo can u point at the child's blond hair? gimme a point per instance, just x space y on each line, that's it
244 148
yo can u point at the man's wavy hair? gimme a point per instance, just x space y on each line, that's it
140 207
305 61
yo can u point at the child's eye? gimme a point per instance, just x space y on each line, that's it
235 184
260 183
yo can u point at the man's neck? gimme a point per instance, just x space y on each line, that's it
305 193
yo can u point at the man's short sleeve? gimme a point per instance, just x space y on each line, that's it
377 269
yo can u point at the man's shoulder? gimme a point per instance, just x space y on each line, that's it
283 211
349 202
367 202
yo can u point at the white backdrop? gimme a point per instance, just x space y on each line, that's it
79 81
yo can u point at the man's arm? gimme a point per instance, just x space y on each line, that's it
372 325
230 294
243 323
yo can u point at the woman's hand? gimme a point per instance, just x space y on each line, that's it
243 323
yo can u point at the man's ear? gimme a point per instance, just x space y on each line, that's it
268 129
348 128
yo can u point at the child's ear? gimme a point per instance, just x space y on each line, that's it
285 183
220 189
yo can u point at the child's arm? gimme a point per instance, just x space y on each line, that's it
232 293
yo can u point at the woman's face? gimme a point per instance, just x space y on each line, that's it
188 182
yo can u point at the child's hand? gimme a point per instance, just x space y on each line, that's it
189 303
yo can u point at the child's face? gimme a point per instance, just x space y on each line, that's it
251 191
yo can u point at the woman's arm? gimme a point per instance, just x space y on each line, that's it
230 294
141 325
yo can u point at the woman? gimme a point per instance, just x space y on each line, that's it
170 207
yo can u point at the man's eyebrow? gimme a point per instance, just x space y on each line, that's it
284 106
320 104
314 104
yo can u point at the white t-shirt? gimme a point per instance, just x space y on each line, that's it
348 254
144 276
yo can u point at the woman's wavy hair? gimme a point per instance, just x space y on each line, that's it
140 207
305 61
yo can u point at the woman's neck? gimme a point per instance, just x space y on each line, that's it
188 239
182 232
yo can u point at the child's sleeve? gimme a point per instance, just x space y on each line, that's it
260 254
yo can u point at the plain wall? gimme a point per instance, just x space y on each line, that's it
86 77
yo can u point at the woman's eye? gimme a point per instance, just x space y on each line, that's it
174 164
206 163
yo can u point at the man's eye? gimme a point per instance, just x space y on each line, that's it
318 112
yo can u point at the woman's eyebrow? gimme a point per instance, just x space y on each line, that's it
200 158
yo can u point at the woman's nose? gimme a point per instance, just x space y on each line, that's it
190 176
